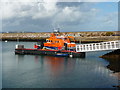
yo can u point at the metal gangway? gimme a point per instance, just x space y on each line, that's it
110 45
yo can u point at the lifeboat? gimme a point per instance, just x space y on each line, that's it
56 45
56 41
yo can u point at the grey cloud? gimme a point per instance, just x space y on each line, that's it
42 17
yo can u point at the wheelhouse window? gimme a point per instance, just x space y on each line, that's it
48 40
56 41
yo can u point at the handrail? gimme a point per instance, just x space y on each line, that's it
110 45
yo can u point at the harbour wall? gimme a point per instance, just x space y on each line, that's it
79 36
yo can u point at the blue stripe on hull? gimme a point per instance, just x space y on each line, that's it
55 48
61 55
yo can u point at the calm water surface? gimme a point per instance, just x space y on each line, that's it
37 71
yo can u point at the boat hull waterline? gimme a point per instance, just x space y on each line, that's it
58 53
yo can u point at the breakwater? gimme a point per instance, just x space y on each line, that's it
79 36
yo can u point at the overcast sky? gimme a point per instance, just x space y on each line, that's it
43 16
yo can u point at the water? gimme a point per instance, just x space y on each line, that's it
37 71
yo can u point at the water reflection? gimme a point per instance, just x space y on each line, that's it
37 59
64 72
19 58
58 65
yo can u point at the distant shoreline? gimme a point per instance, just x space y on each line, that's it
98 36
